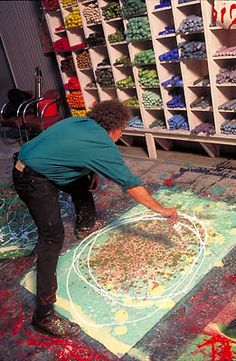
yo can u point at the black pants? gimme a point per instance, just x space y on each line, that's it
41 197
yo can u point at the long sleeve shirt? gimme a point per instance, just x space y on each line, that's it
74 147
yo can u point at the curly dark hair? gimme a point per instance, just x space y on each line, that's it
110 114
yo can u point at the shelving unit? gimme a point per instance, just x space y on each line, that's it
189 70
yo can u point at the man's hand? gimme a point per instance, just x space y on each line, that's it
169 213
94 182
141 195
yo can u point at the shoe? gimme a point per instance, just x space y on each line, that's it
84 227
54 324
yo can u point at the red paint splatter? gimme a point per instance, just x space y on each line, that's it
223 12
169 182
220 348
18 325
231 278
23 266
65 350
215 14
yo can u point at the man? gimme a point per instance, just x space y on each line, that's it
68 156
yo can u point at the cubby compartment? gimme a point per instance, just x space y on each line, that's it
226 99
152 99
91 13
195 73
56 27
114 32
148 77
167 70
126 93
97 55
124 78
160 21
225 72
111 11
72 17
119 55
199 99
155 120
76 37
174 98
184 12
227 125
177 121
165 44
136 121
224 44
202 123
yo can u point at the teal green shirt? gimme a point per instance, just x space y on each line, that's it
74 147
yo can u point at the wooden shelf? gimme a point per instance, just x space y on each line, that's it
118 43
190 69
86 2
171 35
165 8
198 86
114 19
213 28
94 24
69 6
227 111
178 108
189 3
134 16
208 109
191 33
60 31
150 87
123 65
153 108
226 85
84 69
224 57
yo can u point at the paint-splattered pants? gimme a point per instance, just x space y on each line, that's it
41 197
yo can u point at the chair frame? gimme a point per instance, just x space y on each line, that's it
40 115
19 116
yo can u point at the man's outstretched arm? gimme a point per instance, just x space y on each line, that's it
141 195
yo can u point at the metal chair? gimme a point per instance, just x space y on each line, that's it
47 112
11 115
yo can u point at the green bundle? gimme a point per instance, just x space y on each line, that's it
126 83
145 57
148 78
111 10
138 29
133 7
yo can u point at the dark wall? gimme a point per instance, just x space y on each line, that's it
6 79
20 32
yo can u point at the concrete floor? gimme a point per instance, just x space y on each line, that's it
168 339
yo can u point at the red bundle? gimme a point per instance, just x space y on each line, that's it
73 84
61 45
50 4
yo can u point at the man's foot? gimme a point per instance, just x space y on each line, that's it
54 324
84 227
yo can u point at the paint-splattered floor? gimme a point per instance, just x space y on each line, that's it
190 331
